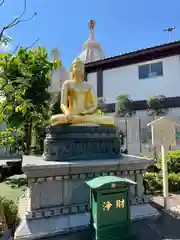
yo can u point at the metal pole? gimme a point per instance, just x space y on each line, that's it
165 178
126 134
140 140
170 36
153 143
170 30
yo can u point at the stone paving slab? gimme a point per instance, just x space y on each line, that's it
165 227
38 228
173 203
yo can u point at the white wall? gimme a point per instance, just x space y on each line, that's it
125 80
172 112
92 79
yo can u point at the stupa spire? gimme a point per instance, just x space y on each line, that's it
91 25
59 75
92 51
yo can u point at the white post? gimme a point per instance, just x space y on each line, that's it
165 178
152 139
153 143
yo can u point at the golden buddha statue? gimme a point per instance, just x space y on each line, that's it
78 101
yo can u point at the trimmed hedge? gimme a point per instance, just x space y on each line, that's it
173 161
153 182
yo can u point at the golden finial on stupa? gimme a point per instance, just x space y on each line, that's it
91 25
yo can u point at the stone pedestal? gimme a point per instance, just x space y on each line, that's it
58 198
77 143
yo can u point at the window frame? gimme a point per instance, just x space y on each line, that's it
150 73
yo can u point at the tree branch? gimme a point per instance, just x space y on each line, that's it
17 20
15 50
32 44
2 2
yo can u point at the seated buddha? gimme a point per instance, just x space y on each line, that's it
78 101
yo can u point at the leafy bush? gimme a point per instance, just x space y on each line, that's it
153 182
173 161
153 169
124 106
156 105
10 211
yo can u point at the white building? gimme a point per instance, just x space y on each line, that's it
140 74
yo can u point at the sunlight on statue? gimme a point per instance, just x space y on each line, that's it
78 101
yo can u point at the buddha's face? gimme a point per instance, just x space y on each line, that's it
77 70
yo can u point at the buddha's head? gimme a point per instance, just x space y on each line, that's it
77 70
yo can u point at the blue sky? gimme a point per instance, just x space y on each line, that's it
122 25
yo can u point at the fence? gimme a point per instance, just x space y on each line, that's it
138 134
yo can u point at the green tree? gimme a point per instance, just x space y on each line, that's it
156 105
124 106
24 80
5 40
56 105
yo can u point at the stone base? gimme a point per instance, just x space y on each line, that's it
77 143
58 198
61 185
38 228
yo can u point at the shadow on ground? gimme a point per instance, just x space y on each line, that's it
16 182
164 227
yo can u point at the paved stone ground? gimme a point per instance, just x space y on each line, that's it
173 203
164 227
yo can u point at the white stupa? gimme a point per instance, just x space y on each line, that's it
58 76
92 50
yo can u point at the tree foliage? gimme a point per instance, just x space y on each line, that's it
56 105
24 80
156 105
124 106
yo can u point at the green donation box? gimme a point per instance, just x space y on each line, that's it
110 207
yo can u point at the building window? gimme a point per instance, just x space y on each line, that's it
150 70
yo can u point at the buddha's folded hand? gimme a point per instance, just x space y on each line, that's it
69 116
